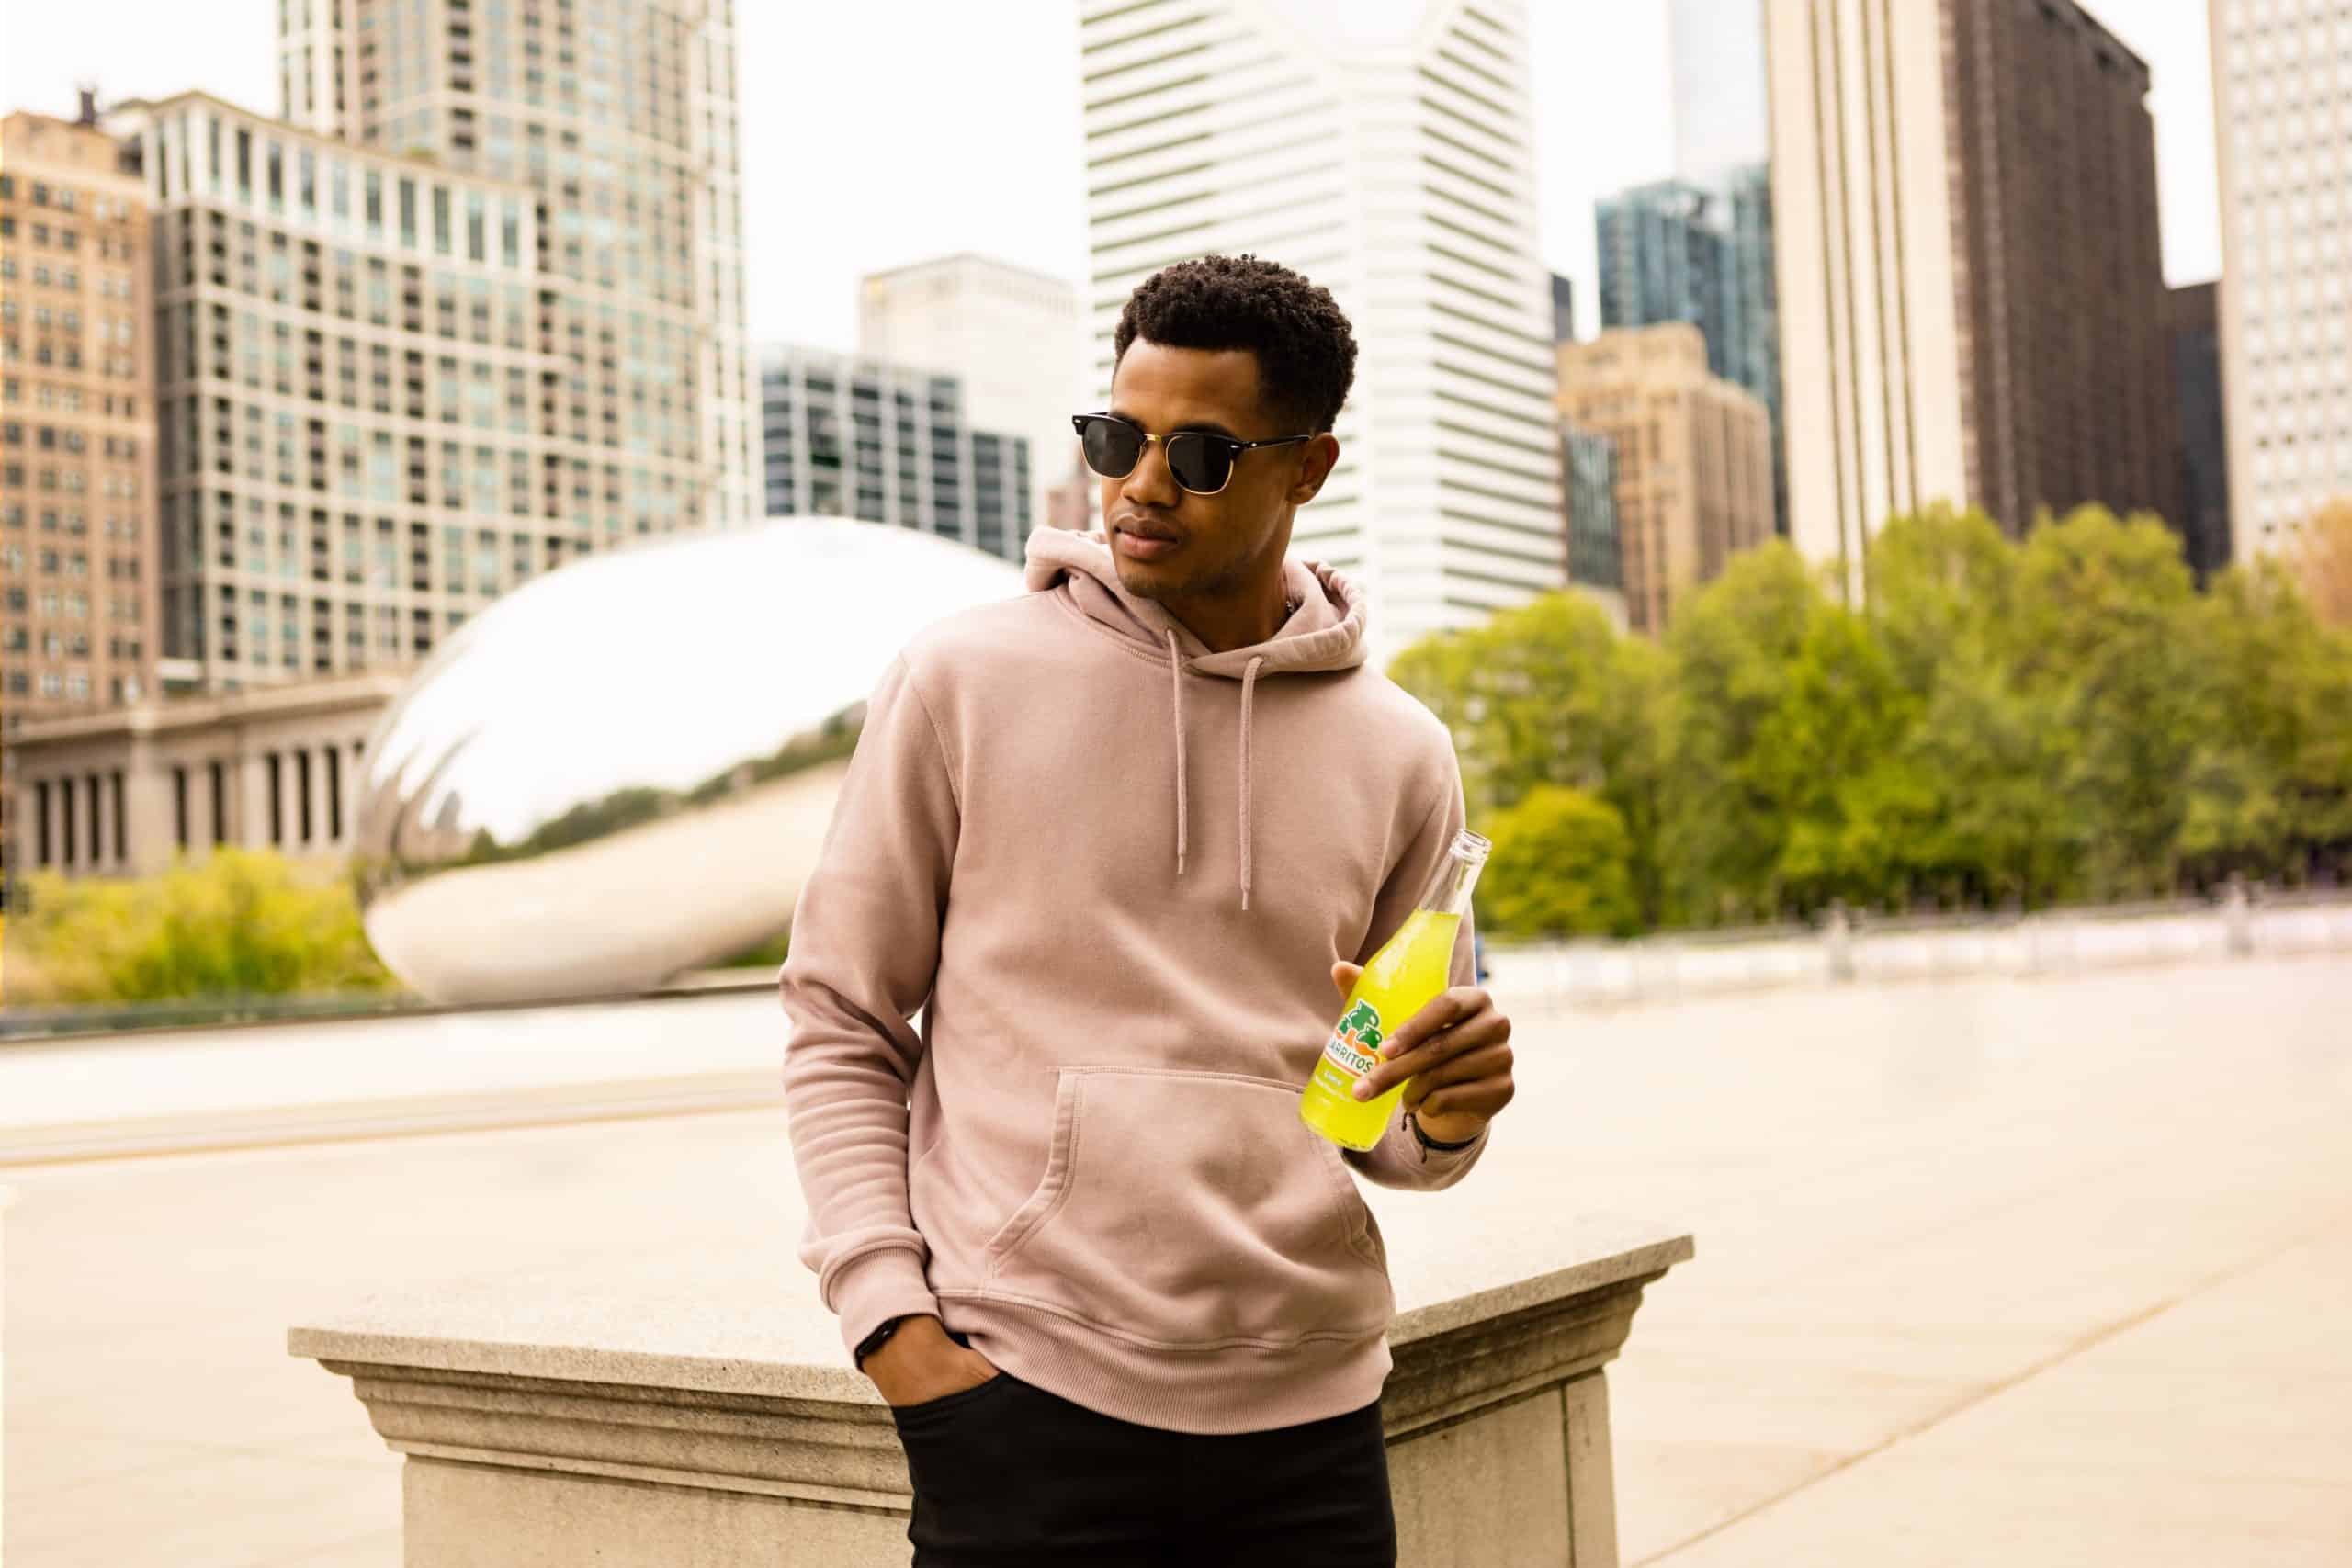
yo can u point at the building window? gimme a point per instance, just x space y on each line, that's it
179 807
277 799
219 781
302 784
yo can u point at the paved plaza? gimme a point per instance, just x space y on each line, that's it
1994 1271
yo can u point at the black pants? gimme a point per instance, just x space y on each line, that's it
1007 1476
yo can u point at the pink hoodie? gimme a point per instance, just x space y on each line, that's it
1111 871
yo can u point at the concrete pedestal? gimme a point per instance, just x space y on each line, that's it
641 1432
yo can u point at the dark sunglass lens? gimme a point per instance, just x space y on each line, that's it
1112 447
1199 462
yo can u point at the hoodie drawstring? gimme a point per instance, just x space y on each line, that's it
1183 809
1249 686
1176 686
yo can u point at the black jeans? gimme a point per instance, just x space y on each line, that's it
1007 1476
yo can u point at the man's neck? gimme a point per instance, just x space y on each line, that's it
1244 620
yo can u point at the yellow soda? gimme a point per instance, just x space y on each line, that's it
1407 973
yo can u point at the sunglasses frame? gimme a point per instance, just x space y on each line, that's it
1144 438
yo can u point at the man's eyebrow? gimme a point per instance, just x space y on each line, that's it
1205 426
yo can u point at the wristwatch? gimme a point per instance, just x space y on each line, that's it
874 1342
1439 1144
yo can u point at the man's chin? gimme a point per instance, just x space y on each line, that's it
1141 580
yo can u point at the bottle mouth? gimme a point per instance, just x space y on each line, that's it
1470 846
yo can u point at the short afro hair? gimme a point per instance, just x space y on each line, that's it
1307 352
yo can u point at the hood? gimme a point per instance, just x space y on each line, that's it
1325 633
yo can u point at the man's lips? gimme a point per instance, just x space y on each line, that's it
1141 544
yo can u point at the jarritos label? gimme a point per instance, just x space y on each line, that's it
1354 1039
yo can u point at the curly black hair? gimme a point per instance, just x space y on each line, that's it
1306 351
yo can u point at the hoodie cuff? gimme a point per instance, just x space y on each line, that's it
1402 1160
886 1282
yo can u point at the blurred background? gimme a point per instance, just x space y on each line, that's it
1868 484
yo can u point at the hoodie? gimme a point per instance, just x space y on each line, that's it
1111 870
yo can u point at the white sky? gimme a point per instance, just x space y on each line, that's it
880 134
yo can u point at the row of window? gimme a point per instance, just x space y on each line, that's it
424 215
65 197
49 395
72 481
110 284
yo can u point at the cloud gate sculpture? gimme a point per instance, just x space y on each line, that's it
625 769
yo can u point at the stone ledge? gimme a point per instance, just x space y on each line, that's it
614 1423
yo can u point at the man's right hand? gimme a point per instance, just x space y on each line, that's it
920 1363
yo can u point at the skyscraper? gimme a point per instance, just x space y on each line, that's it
2282 123
354 451
1011 337
2204 520
1681 251
78 423
856 436
1971 290
619 117
1386 151
1596 556
1693 459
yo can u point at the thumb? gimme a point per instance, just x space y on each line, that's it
1343 975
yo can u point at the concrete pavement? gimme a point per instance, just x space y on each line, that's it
2028 1273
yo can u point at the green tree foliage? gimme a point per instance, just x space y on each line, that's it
1549 695
2005 724
237 922
1562 866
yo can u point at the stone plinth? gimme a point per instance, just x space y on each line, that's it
711 1423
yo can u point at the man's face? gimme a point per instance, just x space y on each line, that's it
1171 544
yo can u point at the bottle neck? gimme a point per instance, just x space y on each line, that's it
1449 891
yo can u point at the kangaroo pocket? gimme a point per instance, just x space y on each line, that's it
1193 1210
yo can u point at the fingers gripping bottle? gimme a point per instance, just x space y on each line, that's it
1408 972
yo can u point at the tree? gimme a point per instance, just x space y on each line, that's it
1561 867
1734 648
238 923
2101 627
2270 785
2324 561
1973 798
1550 693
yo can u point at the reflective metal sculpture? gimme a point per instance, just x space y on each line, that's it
625 769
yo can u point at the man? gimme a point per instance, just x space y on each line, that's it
1118 840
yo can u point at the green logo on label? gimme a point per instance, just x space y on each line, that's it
1359 1027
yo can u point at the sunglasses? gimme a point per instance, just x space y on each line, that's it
1198 460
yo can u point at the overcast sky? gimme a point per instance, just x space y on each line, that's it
882 132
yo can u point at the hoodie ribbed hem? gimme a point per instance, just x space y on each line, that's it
1244 1388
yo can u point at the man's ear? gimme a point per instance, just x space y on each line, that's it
1322 455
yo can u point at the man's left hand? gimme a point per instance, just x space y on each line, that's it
1456 1052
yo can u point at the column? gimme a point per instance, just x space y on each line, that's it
250 821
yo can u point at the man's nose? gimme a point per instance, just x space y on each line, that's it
1151 484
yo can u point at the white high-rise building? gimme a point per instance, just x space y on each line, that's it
619 117
2282 124
1384 149
1013 337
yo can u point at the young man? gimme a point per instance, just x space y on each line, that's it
1119 840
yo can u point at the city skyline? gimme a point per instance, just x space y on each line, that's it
1603 123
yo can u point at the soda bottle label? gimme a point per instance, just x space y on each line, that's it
1354 1039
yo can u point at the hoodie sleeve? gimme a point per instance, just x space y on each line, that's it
864 953
1399 1159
